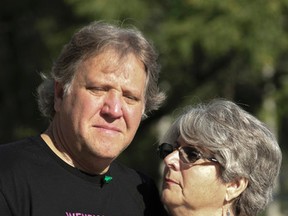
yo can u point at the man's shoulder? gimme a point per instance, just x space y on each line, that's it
128 174
141 187
19 145
19 151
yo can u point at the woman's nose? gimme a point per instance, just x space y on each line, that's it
172 160
112 105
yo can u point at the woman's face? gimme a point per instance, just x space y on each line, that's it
194 187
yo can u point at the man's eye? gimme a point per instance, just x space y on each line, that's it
131 98
96 89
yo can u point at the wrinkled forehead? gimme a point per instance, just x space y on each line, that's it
112 61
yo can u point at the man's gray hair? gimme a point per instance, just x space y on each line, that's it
90 41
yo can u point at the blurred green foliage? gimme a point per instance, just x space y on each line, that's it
207 48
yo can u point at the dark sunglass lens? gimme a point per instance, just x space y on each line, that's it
190 154
165 149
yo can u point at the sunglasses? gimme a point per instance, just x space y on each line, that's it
187 154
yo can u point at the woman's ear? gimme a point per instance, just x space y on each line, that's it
58 95
235 188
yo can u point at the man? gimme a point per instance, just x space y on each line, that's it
101 86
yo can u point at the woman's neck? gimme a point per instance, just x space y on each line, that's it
180 211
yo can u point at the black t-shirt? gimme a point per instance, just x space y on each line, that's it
35 182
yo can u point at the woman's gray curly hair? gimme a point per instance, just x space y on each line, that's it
243 145
90 41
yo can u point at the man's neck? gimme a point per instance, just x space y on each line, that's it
57 149
56 146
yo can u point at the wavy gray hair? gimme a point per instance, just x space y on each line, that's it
90 41
243 145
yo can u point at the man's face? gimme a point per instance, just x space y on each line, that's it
99 116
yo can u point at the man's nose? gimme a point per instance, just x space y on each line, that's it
112 105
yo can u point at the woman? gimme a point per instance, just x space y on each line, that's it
219 160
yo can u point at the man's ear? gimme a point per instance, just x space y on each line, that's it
58 95
235 188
